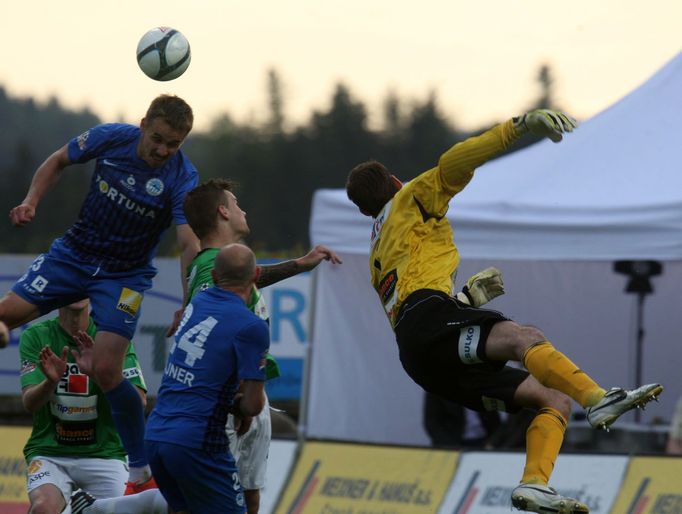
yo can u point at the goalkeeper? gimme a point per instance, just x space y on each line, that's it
460 352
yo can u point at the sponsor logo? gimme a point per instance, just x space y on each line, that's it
469 337
387 291
73 381
27 367
74 408
82 140
107 162
129 301
39 283
34 466
119 198
128 183
378 223
37 477
132 372
75 434
154 186
387 285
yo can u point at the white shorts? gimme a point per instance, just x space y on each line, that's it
103 478
251 450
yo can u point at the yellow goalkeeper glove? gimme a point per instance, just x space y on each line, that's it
546 123
482 287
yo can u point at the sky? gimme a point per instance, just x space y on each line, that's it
480 58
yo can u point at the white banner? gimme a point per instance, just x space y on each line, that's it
280 460
360 392
288 302
484 481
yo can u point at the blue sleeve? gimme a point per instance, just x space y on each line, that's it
189 179
252 344
91 143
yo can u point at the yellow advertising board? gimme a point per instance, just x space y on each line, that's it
652 485
338 478
13 497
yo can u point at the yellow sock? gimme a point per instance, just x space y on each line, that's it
543 442
553 369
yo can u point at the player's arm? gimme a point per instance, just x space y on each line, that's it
252 399
456 166
273 273
52 367
44 179
189 248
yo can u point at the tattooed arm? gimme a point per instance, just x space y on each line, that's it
272 273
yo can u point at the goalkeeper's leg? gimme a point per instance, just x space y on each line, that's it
552 369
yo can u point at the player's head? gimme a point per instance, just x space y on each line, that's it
370 186
75 316
211 209
164 128
235 268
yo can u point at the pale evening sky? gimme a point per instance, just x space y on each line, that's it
480 57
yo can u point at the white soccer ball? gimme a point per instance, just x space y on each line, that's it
163 53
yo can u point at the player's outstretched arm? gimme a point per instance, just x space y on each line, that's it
273 273
44 179
482 287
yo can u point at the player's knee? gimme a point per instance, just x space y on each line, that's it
45 506
559 402
107 374
527 337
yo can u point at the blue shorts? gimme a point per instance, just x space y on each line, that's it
194 480
58 278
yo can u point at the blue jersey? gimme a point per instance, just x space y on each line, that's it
219 342
129 204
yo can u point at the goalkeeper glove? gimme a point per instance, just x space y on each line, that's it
546 123
482 287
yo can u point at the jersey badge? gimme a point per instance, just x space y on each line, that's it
154 186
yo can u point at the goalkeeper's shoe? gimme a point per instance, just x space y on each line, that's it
138 487
544 499
81 500
618 401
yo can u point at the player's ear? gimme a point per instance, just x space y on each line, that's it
223 211
256 274
142 124
396 182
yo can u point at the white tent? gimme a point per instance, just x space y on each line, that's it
553 218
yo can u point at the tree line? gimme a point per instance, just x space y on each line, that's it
277 168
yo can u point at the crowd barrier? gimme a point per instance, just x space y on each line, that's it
318 477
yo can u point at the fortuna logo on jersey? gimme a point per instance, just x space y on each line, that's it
73 381
119 198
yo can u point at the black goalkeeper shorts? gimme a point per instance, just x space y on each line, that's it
442 348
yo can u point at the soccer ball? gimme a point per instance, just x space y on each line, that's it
163 53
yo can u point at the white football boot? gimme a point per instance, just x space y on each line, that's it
618 401
544 499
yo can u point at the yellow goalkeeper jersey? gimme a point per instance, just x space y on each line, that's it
411 244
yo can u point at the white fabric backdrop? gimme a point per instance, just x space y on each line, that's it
553 218
359 391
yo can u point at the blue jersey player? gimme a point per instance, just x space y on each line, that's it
137 190
219 343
